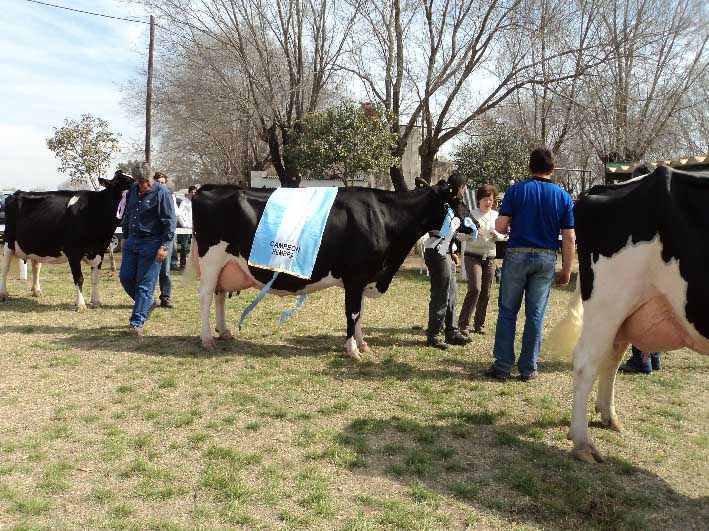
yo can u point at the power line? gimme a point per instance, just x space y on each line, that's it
87 12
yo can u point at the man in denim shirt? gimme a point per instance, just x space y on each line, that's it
534 211
148 229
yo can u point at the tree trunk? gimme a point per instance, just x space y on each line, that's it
396 175
287 172
428 151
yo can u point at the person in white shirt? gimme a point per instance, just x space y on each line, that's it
479 262
184 220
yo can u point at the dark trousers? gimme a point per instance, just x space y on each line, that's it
444 292
164 279
480 273
184 241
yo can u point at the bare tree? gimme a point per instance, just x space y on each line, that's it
659 51
284 54
465 42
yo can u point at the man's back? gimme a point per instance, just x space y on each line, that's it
539 210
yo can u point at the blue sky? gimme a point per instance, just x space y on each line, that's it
57 64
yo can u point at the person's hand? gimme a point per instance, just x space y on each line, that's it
562 278
481 234
456 259
162 254
123 243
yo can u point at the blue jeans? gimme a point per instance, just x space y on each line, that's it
636 360
139 273
530 274
165 282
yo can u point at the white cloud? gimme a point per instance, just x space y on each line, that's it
27 164
57 64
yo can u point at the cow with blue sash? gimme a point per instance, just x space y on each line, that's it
359 244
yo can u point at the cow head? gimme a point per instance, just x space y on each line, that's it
446 195
121 181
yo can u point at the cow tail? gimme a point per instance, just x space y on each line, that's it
560 341
191 272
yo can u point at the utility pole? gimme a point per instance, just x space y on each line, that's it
149 94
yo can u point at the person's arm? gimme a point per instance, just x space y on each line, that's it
568 246
181 211
166 215
125 221
502 224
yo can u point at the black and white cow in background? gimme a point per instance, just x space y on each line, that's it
367 236
54 227
643 257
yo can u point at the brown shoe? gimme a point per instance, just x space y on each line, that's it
135 331
481 330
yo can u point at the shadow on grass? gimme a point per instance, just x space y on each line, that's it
117 339
500 468
20 304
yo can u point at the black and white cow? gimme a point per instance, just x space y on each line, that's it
643 256
62 226
367 236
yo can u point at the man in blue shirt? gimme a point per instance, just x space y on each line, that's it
148 228
534 211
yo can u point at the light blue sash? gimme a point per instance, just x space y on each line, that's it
288 236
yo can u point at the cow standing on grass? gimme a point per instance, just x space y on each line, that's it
367 236
643 258
55 227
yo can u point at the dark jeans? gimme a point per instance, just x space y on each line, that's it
480 273
636 360
173 253
528 274
444 292
165 282
139 273
184 241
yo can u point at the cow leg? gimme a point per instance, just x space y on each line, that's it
353 313
605 400
78 276
6 260
95 299
207 286
358 334
220 311
36 288
591 354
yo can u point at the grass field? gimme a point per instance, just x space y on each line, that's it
277 430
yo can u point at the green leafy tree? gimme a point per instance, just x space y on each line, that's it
84 148
497 156
343 142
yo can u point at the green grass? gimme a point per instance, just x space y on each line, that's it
278 430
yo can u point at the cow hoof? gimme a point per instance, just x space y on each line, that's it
588 454
95 305
363 347
81 308
356 356
36 293
226 335
209 344
614 424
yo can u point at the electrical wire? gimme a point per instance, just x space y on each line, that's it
87 12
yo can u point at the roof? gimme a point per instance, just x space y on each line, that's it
680 162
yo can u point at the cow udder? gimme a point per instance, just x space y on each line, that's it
234 278
654 327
